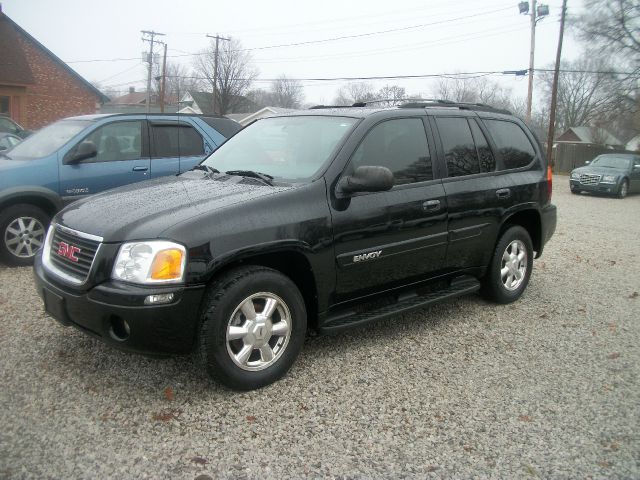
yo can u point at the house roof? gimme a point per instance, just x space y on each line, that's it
589 135
18 71
634 144
131 98
263 112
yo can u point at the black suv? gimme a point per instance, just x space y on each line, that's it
327 219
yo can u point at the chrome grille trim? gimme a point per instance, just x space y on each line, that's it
72 273
589 179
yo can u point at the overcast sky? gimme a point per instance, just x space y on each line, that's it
449 37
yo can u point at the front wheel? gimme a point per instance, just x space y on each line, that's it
624 189
510 267
253 326
23 229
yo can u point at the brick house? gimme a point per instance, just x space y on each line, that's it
36 87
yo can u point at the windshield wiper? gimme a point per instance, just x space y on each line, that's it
250 173
206 168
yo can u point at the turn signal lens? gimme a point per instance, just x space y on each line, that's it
167 265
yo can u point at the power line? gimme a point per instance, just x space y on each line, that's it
323 40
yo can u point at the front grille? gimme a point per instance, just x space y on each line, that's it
88 248
587 179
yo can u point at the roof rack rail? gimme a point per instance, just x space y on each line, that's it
479 107
320 107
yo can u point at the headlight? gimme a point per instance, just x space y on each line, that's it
150 262
609 179
575 175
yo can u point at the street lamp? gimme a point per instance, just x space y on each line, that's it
536 14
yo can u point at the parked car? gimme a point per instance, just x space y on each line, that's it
325 218
80 156
8 125
611 173
8 140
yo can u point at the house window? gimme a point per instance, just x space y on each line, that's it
5 104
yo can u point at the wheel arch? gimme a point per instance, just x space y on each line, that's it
42 198
294 264
531 221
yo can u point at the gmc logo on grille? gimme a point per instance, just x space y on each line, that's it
68 251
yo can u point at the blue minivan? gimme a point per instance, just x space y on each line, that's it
80 156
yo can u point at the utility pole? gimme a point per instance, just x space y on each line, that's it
554 88
536 13
215 71
149 36
163 87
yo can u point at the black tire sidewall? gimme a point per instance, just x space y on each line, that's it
6 218
225 299
494 288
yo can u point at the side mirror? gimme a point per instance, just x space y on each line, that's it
366 179
2 148
86 149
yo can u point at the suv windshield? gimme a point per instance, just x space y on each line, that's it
291 148
609 161
49 139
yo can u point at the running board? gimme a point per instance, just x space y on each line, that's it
403 303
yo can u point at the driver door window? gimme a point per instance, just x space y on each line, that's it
401 146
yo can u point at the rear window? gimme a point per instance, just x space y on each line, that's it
512 143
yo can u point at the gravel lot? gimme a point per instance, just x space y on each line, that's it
547 387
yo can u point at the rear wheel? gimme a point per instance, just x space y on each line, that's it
23 229
510 267
253 327
624 188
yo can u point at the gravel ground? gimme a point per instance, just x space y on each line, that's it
547 387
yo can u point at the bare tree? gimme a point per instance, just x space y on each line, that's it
478 90
180 80
286 93
391 95
614 27
586 98
235 73
354 93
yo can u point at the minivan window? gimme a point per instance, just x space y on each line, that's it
175 141
46 141
513 145
117 141
401 146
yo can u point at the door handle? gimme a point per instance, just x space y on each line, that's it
503 193
140 169
431 205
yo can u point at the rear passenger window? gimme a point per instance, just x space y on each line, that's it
485 155
459 150
176 141
512 143
401 146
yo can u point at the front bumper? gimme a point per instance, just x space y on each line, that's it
104 310
606 188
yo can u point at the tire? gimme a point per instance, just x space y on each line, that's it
227 311
575 192
501 288
624 189
23 229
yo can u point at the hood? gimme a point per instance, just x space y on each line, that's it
595 170
144 210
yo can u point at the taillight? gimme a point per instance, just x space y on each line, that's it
549 181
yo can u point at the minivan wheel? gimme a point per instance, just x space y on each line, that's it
624 189
510 267
253 326
23 229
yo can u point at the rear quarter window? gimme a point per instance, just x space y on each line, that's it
512 143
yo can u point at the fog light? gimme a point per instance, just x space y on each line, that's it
159 299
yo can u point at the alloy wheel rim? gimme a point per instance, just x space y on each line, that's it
24 236
258 331
623 189
514 265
